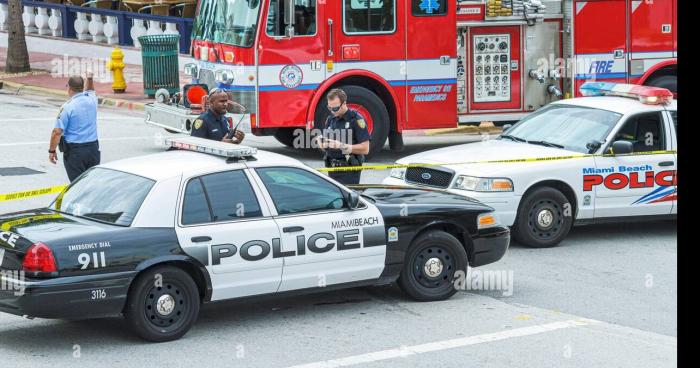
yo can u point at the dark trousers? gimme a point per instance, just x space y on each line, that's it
346 177
80 157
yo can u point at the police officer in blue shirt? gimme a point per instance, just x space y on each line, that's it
345 138
75 132
213 124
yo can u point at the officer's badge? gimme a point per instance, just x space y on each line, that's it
198 123
362 123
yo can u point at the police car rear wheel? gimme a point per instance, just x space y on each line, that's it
163 304
542 219
429 270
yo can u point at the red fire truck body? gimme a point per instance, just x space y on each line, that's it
418 64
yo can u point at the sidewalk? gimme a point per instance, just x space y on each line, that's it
50 73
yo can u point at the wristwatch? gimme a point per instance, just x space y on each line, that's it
52 151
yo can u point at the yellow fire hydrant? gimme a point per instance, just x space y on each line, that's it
116 66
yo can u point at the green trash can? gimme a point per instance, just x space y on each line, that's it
160 65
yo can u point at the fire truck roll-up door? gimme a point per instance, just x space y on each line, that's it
600 42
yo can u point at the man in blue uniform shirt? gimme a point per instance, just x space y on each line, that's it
76 129
213 123
345 139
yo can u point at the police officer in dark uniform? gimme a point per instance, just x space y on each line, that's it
345 138
75 132
213 124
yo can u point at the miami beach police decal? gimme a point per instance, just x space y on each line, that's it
291 76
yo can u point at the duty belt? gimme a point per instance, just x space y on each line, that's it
333 162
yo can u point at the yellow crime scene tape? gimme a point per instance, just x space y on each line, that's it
511 161
56 189
31 193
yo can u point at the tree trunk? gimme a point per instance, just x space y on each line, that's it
17 55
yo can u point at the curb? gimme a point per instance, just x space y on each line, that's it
102 101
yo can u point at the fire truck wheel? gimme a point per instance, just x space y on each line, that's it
286 136
367 103
669 82
544 218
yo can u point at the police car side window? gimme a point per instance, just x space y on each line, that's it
299 191
195 209
645 131
369 16
230 196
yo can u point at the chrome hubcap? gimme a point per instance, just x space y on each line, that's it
545 218
433 267
165 305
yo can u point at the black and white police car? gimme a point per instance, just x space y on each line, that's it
153 237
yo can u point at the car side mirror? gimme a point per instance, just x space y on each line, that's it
352 198
621 148
507 127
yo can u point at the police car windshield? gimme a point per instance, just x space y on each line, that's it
565 126
232 22
104 195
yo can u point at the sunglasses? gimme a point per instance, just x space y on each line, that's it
215 91
335 109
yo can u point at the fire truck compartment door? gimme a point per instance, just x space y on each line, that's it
290 68
600 45
431 66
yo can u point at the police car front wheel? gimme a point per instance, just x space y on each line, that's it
431 263
544 218
163 304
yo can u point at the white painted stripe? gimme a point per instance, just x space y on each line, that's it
652 55
101 140
120 118
448 344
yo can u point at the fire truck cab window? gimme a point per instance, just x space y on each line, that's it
304 18
232 22
428 7
369 16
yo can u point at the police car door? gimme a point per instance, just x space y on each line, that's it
222 223
323 241
642 184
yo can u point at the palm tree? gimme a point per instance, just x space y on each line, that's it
17 55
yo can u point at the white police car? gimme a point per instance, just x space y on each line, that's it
152 237
607 157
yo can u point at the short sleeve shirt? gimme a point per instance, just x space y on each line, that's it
78 118
210 125
350 128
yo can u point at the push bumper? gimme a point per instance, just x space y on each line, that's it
64 297
180 119
490 245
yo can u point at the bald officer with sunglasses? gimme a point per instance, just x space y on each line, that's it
345 139
213 124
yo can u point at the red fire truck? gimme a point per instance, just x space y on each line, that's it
416 64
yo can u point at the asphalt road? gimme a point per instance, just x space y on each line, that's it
607 296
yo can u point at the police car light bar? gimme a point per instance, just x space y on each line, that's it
222 149
646 95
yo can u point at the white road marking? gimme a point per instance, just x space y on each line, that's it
448 344
101 140
14 120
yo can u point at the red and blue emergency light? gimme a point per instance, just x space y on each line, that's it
646 95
